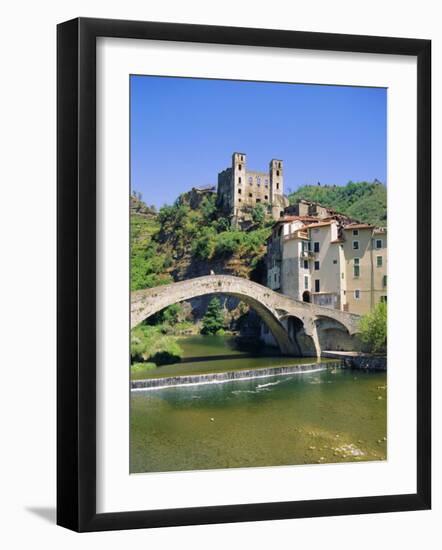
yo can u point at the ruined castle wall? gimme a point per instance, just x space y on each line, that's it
225 196
255 190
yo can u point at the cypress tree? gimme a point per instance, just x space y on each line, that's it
213 320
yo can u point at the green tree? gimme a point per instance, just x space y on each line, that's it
204 246
373 328
259 215
213 320
208 208
169 316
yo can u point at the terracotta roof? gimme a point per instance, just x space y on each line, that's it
320 224
358 226
328 208
299 218
287 219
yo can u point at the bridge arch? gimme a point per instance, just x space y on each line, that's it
273 308
147 302
334 335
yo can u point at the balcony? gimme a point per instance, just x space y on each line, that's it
302 233
307 255
299 234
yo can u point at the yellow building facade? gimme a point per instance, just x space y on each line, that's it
366 263
341 266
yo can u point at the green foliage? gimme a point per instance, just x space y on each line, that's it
208 208
137 367
148 264
373 328
179 224
171 320
363 201
169 316
221 224
259 215
178 328
148 344
204 246
228 242
211 245
213 320
160 241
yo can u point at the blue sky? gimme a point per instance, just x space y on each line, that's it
183 132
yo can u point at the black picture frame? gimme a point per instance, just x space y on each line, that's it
76 274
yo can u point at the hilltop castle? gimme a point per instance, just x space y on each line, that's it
241 189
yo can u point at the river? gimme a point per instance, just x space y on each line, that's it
331 415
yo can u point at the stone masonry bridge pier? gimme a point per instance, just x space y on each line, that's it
299 328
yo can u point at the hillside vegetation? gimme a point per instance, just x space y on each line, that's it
180 242
363 201
148 263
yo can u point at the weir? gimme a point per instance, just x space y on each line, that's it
230 376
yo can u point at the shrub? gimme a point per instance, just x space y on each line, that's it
149 344
373 328
208 208
228 243
204 246
259 214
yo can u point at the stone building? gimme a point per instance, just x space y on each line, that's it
313 209
329 262
241 189
365 251
196 195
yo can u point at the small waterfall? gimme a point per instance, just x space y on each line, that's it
222 377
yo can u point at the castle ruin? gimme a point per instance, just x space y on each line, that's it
240 190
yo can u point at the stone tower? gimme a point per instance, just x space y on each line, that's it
240 190
276 187
238 181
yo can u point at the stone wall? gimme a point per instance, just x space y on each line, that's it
367 362
362 361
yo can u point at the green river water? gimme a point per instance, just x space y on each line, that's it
333 415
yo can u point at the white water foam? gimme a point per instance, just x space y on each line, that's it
268 384
229 380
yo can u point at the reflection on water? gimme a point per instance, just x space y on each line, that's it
321 417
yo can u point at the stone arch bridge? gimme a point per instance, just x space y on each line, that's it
299 328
